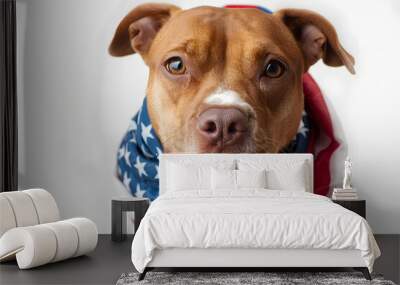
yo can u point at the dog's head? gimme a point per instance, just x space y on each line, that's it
226 80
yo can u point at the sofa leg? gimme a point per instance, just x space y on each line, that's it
364 271
143 274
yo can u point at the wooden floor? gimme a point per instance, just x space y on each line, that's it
110 260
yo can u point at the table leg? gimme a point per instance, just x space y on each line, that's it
116 221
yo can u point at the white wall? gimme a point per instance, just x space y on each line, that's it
76 100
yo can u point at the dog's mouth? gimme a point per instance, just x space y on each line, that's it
242 142
239 142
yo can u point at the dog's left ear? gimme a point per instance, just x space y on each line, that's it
316 38
137 30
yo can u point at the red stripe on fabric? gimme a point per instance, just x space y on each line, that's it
320 117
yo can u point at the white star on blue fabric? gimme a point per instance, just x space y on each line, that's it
121 152
156 177
302 129
132 126
139 192
146 132
149 155
126 155
126 180
137 156
140 167
159 152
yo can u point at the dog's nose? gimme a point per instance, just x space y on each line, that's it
223 126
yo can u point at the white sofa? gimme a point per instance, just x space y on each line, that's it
31 231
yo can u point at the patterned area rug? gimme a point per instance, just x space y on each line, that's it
243 278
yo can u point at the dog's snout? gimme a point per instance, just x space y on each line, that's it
223 126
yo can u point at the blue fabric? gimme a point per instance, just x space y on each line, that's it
139 150
300 142
266 10
138 156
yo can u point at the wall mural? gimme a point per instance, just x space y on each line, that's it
226 80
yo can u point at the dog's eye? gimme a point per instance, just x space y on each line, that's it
175 65
274 69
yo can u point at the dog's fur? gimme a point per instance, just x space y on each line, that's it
225 52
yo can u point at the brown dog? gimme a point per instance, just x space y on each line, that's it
226 80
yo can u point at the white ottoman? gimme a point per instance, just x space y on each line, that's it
31 232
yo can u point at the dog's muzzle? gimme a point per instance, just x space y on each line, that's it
219 128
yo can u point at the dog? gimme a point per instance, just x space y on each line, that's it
226 80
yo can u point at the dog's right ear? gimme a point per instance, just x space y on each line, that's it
316 38
137 30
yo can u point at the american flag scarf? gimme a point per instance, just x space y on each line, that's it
139 150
